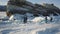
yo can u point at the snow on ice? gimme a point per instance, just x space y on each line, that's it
35 25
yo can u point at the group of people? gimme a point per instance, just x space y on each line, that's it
46 20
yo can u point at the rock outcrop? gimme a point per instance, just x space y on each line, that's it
23 7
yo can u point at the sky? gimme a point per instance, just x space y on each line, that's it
55 2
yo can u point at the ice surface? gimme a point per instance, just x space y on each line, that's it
35 25
2 14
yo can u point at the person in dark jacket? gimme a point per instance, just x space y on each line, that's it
46 19
25 19
51 19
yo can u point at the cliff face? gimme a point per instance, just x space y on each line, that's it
51 9
23 6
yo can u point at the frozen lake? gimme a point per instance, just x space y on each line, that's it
16 27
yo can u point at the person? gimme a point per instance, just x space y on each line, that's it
51 19
25 19
46 19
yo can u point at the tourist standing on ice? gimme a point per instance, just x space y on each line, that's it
51 19
25 18
46 19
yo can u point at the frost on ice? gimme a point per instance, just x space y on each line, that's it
34 26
